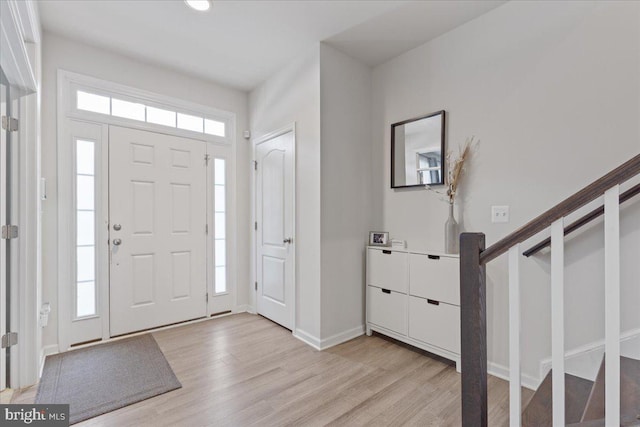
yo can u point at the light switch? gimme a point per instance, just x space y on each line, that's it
499 214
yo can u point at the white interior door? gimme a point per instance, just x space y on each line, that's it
275 213
157 212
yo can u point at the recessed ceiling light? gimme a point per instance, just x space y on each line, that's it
199 5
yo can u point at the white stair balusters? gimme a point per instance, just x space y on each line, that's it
612 305
557 321
515 397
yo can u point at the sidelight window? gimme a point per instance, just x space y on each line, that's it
85 300
220 209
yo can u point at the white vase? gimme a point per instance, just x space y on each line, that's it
451 234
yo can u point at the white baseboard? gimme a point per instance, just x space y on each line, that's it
307 338
502 372
333 340
251 309
242 308
341 337
584 361
47 350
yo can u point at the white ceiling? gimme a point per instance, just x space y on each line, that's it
242 43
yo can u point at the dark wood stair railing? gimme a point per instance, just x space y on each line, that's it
473 300
584 220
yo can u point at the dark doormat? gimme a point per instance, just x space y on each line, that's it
106 377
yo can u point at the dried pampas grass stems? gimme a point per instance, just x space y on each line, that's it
455 168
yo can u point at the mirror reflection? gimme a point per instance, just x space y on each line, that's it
417 151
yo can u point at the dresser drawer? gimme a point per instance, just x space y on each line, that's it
435 277
387 308
438 325
387 269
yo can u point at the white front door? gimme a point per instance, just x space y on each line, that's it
157 215
275 213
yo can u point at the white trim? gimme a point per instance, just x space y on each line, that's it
28 244
15 60
281 131
502 372
584 361
30 21
341 337
73 81
19 44
242 308
47 350
308 339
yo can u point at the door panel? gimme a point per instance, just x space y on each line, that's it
275 217
157 187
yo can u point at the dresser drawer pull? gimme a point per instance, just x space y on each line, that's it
433 256
433 302
386 291
384 251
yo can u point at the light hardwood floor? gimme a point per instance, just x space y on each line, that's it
245 370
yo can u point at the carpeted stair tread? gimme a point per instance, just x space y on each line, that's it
539 410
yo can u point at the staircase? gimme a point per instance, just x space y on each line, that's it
585 400
613 399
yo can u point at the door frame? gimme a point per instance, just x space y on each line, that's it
255 142
66 115
22 39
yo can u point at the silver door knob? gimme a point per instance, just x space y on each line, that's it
117 242
117 227
288 240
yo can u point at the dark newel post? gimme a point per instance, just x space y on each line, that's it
473 317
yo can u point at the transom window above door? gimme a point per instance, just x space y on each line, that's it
87 98
139 111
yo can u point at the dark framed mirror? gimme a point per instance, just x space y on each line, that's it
417 151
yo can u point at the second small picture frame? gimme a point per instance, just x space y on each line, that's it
379 238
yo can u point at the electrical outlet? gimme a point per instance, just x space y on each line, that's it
499 214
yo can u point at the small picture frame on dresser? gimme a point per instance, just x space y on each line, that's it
379 238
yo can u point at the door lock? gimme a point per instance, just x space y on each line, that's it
117 227
288 240
117 242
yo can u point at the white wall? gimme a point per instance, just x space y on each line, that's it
552 90
346 151
293 95
62 53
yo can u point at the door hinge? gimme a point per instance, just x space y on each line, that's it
206 229
11 338
206 159
255 165
255 225
206 297
9 124
9 232
256 286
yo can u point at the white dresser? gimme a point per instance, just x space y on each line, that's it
414 297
